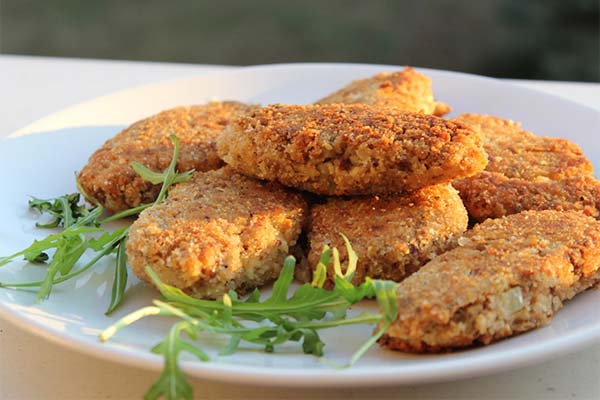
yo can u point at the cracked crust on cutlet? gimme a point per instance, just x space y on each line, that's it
108 178
220 231
341 149
406 90
507 276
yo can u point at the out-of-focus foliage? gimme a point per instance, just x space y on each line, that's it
552 39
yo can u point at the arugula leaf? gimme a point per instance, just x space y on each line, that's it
282 284
120 280
286 316
172 383
234 344
385 292
81 227
158 177
36 258
170 174
49 242
65 209
283 317
312 343
98 243
320 273
306 301
70 247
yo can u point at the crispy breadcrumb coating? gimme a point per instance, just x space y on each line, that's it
526 172
492 195
507 276
220 231
406 90
108 177
392 235
517 153
338 149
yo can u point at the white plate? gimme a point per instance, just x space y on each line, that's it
41 159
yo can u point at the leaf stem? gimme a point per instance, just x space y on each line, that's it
128 320
124 214
106 250
120 280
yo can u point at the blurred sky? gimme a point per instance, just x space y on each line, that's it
536 39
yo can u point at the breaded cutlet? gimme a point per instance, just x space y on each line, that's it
392 235
493 195
339 149
507 276
220 231
108 177
525 172
406 90
517 153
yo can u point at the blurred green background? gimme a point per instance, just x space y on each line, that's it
536 39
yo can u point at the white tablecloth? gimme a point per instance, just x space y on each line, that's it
32 368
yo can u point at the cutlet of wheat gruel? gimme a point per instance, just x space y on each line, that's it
338 149
406 90
220 231
508 275
393 235
493 195
108 177
526 172
517 153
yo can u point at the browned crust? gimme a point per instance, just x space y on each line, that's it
108 177
517 153
462 297
406 90
340 149
392 235
492 195
526 172
220 231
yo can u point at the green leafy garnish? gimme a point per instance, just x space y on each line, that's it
120 280
172 383
282 317
285 316
65 210
160 177
82 234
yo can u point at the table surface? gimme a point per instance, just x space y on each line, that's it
32 368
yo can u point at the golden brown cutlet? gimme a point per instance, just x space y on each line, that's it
108 177
525 172
493 195
337 149
406 90
517 153
392 235
508 275
220 231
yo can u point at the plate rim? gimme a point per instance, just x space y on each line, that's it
26 130
351 377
